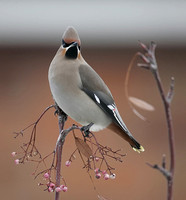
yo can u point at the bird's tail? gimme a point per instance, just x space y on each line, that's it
128 137
136 146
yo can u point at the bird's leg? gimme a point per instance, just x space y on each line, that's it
85 129
60 112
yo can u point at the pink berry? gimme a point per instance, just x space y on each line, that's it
46 175
97 170
50 189
52 185
96 159
106 176
104 172
67 163
13 154
16 161
64 188
98 175
58 189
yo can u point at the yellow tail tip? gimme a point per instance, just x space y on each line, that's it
141 149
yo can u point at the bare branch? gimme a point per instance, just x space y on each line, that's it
165 172
164 161
150 60
96 154
62 117
171 91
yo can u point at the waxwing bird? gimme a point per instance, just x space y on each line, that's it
81 93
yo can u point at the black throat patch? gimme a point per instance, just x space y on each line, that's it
72 52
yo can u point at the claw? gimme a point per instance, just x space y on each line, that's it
56 112
85 129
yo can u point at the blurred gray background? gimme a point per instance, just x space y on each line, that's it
106 22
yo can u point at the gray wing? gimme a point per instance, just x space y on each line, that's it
96 89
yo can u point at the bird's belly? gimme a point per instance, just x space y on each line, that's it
79 106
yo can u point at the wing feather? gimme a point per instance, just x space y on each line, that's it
97 90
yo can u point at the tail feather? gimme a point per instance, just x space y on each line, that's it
129 138
136 146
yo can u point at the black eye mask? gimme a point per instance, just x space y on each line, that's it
65 45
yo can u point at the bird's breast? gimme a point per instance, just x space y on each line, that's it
65 86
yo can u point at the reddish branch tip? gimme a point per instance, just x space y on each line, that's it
143 45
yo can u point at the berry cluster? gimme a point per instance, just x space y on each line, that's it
106 176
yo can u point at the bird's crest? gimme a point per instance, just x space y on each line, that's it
70 35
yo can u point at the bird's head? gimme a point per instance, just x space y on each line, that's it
71 43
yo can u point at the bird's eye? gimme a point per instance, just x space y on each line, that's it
65 45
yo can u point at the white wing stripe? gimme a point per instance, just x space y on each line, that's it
97 99
111 107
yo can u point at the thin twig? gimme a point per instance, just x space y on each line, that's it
51 185
165 172
30 148
151 64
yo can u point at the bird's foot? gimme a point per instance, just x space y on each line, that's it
60 112
85 129
56 112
